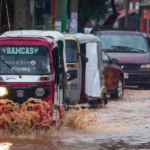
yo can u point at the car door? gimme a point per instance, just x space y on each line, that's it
74 68
109 73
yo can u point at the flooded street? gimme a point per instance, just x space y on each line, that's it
123 124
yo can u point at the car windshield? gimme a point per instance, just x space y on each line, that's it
71 51
122 42
26 60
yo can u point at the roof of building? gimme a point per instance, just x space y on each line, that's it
54 34
84 38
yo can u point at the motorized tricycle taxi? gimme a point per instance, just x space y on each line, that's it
60 39
31 67
85 76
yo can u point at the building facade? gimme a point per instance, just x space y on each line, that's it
145 16
31 14
133 4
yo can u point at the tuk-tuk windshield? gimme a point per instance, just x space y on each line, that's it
26 60
71 51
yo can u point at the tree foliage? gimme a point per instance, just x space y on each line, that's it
47 25
95 9
92 8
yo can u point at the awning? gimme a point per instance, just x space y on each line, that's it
123 13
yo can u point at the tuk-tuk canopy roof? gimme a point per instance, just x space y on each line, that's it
29 38
54 34
57 36
84 38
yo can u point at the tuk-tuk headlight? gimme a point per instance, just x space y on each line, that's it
3 91
40 92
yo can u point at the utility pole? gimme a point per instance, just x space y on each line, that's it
127 13
52 14
7 16
1 6
64 15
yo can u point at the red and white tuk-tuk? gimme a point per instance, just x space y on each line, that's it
30 67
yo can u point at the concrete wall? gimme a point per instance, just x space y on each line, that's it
74 9
22 6
132 2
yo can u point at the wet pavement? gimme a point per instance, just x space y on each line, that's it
123 125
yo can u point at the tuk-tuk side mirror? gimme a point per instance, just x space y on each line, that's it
114 61
60 70
85 59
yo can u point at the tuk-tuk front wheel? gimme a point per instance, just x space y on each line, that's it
103 100
99 102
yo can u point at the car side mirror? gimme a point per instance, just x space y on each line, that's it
85 59
114 61
60 70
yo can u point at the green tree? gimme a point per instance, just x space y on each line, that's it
94 9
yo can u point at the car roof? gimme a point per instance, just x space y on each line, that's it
120 31
84 38
54 34
124 32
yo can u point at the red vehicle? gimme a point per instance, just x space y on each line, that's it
114 77
132 49
30 67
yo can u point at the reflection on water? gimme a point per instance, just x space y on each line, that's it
123 124
5 146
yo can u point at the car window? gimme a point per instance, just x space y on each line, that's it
122 41
25 59
71 51
105 58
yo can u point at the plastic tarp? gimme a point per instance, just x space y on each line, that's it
92 76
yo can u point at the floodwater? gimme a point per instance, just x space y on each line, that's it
123 125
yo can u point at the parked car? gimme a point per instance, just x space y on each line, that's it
132 51
114 77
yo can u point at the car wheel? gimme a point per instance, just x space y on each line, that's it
119 91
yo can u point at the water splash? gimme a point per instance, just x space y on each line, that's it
34 117
24 118
79 118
